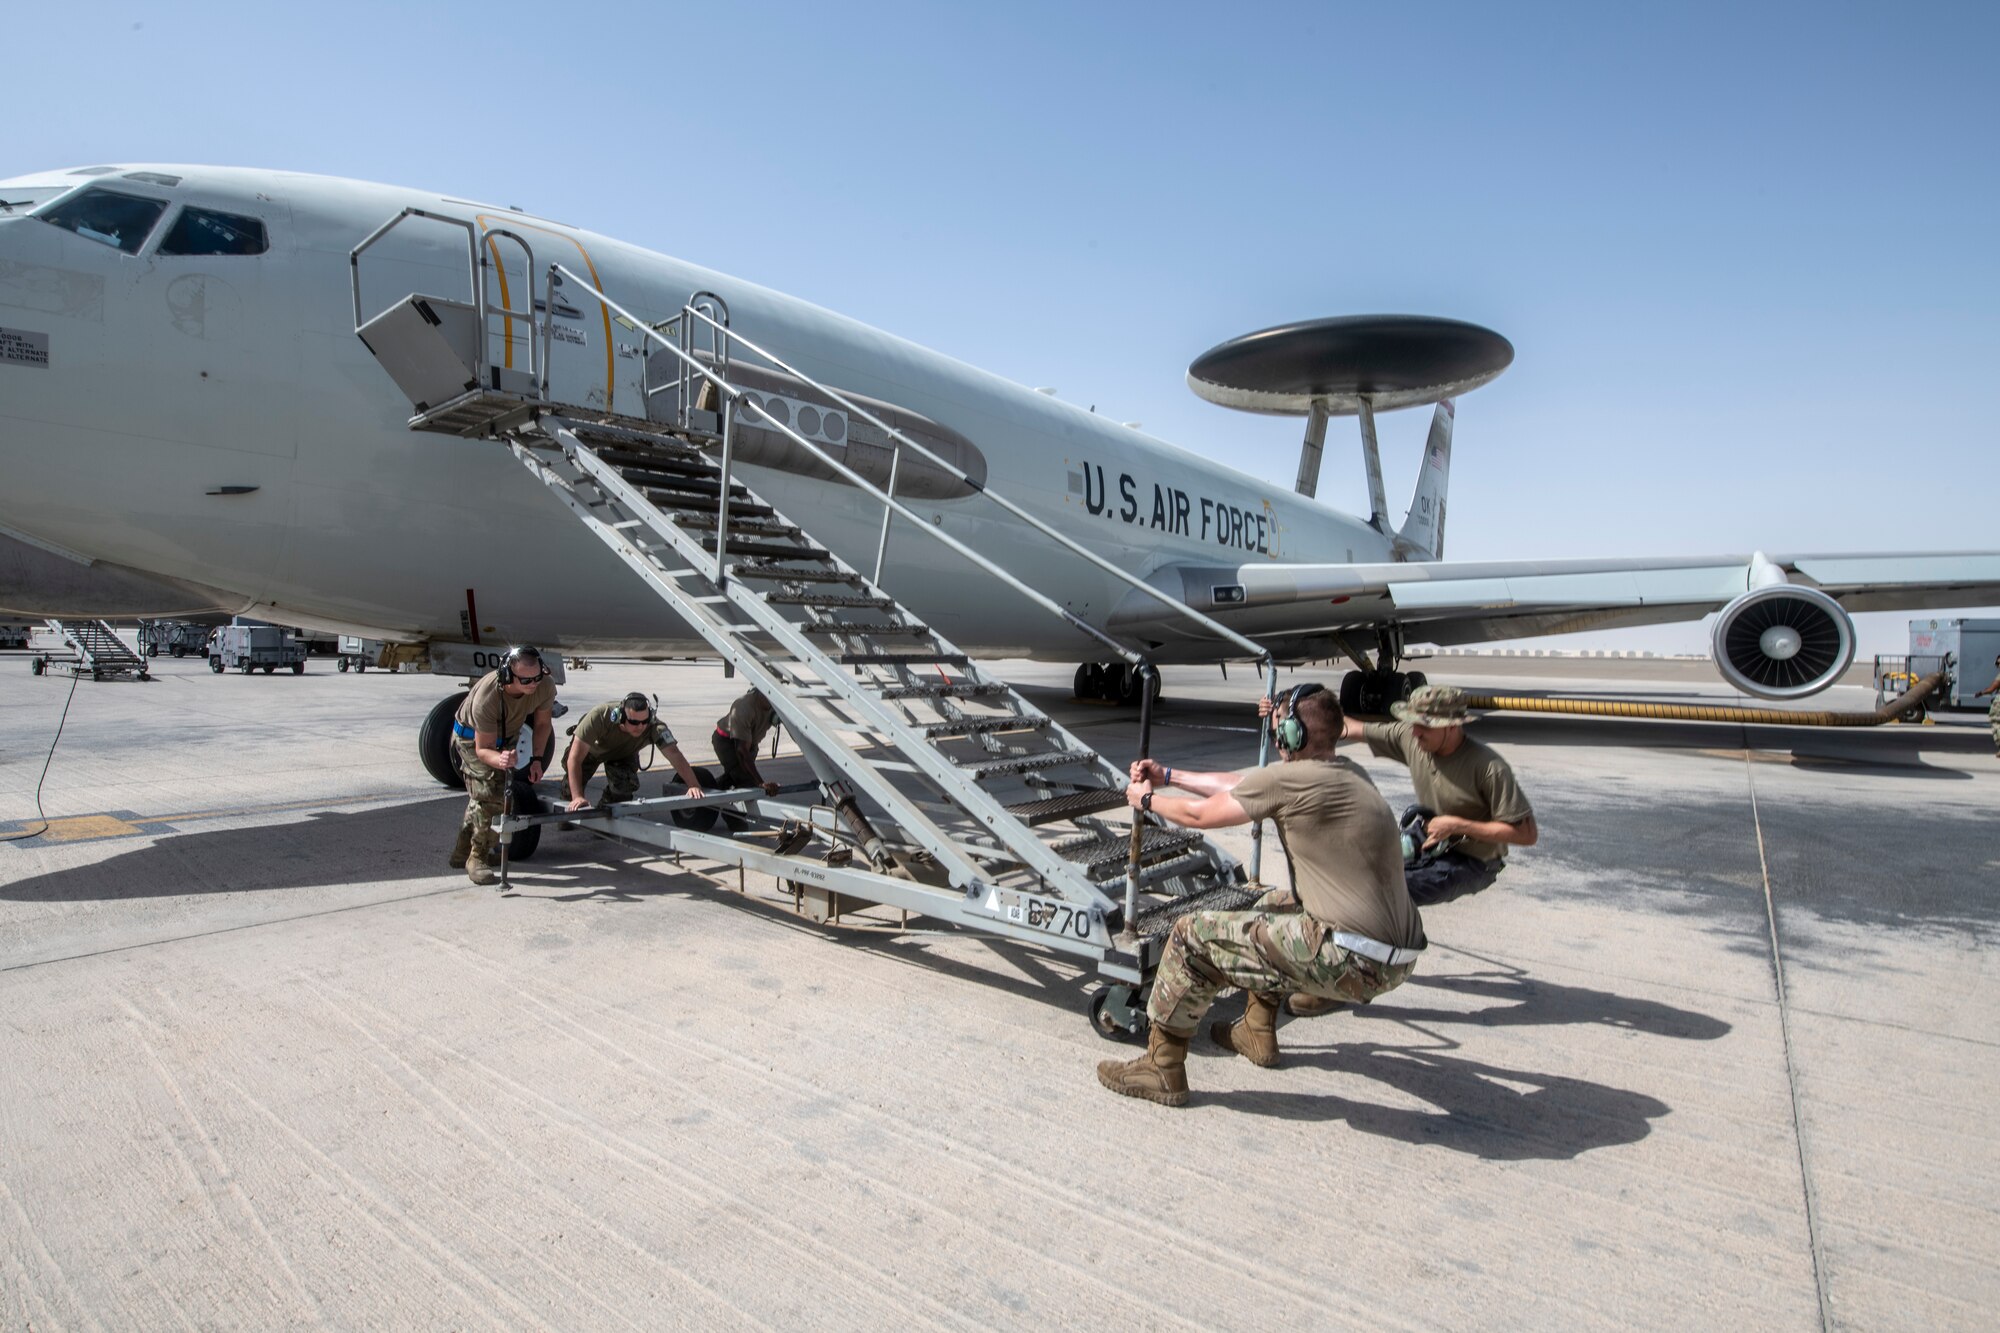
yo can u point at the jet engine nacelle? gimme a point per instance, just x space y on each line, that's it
1784 641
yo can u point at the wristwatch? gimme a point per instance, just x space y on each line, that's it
1146 802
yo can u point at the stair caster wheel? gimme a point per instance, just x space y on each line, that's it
1118 1013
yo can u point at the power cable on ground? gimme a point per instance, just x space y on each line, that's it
40 813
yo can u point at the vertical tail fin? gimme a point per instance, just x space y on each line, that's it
1422 534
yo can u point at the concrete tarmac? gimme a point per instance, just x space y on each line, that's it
1721 1047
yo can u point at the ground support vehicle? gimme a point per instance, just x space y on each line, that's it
249 648
175 638
1970 646
358 654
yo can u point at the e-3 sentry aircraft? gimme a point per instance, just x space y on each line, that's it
188 421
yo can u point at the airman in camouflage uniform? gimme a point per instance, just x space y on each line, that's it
614 735
487 728
1993 709
1347 930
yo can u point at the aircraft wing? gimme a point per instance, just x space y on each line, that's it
1454 602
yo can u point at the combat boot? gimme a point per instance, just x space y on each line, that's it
1255 1035
461 849
1160 1075
480 872
1299 1004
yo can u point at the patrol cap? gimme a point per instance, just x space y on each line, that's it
1433 706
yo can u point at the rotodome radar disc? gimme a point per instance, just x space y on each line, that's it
1392 360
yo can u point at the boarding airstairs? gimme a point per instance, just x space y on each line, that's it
99 652
944 792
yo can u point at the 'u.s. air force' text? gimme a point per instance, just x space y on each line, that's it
1173 510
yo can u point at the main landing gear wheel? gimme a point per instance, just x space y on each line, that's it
1369 693
1118 1013
527 801
699 818
1116 682
435 745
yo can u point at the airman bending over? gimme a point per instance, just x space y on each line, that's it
738 733
614 735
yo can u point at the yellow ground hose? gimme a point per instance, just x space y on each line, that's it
1783 717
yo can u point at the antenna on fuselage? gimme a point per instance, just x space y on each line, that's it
1355 365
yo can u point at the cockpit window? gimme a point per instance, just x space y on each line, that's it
18 199
153 178
201 231
120 221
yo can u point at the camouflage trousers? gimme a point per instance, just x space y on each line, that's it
1273 949
486 792
621 776
1993 717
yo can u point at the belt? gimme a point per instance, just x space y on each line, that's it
1374 950
463 732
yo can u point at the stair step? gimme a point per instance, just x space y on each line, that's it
904 659
662 490
860 630
954 690
1026 763
749 527
829 601
1159 918
1069 805
737 508
784 574
776 551
978 726
1097 849
675 459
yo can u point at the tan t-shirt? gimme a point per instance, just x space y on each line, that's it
748 720
490 710
611 742
1343 845
1472 782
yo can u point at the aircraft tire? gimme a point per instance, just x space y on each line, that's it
527 801
1084 684
1412 682
434 741
700 818
1350 693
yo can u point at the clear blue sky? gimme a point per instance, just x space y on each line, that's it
1746 253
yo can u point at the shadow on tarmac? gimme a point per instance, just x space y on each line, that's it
1524 1002
1499 1115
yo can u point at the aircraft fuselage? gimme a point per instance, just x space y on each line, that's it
222 407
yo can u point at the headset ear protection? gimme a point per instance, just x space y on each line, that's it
515 656
632 700
1291 733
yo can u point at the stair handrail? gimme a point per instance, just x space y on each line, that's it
1253 649
734 398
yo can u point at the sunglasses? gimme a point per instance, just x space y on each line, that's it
630 721
530 680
